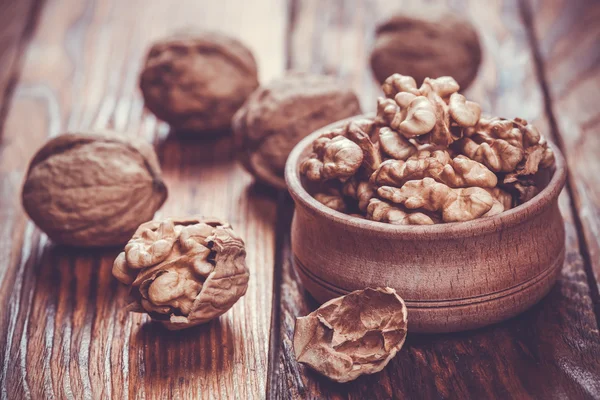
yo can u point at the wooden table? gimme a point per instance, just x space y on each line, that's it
68 65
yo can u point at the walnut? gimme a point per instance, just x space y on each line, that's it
429 152
427 44
465 113
93 189
455 204
394 145
359 133
501 196
433 114
511 146
362 191
337 158
496 154
196 82
463 172
395 83
183 271
277 116
333 199
382 211
420 115
458 172
352 335
420 165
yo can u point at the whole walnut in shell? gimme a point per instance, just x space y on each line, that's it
277 116
196 82
183 271
352 335
427 44
93 189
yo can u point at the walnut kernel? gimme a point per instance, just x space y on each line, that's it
183 271
277 116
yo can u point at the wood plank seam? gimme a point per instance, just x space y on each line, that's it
281 231
526 14
283 225
15 68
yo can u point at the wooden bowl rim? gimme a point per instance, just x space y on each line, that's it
514 216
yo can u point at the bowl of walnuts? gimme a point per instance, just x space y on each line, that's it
456 211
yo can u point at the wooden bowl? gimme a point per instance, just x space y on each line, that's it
453 276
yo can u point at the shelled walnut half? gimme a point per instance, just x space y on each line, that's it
352 335
183 271
428 156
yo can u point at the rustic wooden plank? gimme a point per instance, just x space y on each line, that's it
550 351
17 19
568 39
63 332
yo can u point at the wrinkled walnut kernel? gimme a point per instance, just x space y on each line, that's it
430 153
183 272
332 199
382 211
455 204
352 335
278 115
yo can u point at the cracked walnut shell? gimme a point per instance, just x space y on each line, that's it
277 116
93 189
352 335
196 82
427 44
183 271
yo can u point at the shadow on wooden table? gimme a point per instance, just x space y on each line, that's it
473 357
176 151
190 352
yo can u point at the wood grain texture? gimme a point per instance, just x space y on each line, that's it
17 18
568 42
551 350
63 331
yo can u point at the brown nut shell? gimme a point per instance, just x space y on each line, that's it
183 271
196 82
278 115
93 189
352 335
427 44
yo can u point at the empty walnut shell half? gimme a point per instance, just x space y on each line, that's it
352 335
196 82
93 189
183 271
427 44
277 116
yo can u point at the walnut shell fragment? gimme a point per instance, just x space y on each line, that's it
425 44
278 115
352 335
196 81
93 189
183 271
